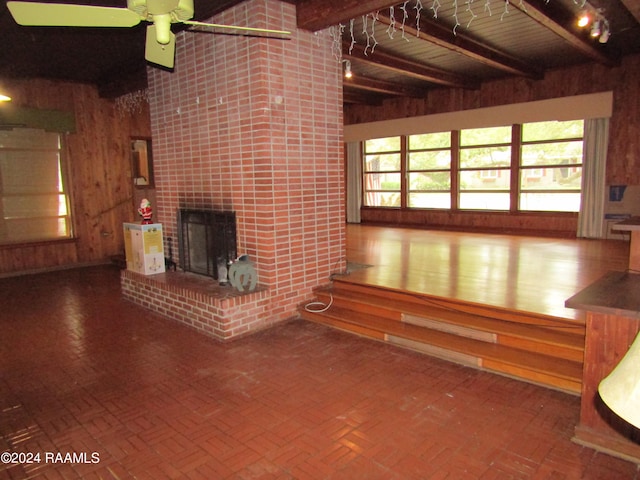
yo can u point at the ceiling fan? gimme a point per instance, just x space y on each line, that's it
160 40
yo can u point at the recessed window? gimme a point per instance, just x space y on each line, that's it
35 205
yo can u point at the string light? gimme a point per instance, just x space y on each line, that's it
391 29
405 15
132 102
590 17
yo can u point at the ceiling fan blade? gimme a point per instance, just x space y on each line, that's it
63 15
233 27
158 53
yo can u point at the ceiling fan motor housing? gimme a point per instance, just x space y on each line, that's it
179 10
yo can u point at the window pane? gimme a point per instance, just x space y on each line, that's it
437 160
390 144
552 130
382 181
557 153
485 136
430 141
34 206
382 199
550 202
484 201
430 200
556 178
485 157
485 180
430 181
382 163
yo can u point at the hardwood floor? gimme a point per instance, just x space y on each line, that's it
531 274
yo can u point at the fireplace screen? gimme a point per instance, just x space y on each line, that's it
207 240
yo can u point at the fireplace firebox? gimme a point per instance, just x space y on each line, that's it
207 241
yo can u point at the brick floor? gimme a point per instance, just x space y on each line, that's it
85 372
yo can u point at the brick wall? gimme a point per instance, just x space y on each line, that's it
254 125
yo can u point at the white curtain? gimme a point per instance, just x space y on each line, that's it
594 162
354 182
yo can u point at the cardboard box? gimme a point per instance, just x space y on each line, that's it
143 247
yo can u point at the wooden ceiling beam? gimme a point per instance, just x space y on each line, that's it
438 34
562 22
410 68
317 15
354 97
383 87
634 8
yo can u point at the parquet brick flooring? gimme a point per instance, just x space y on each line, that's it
85 372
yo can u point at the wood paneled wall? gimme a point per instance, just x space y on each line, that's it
99 167
623 161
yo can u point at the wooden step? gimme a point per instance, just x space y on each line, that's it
394 297
555 337
542 350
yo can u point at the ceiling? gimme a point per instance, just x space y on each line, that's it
398 51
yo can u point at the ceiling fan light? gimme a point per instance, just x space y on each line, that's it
4 98
163 28
595 29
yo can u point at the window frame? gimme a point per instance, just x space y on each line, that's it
410 170
367 173
514 170
63 194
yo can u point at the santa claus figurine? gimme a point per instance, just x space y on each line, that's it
145 211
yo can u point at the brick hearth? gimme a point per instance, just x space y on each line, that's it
221 312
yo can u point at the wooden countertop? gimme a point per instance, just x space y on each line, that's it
617 293
629 224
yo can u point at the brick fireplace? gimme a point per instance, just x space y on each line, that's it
254 126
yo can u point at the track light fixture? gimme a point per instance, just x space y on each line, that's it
584 19
347 69
596 20
605 32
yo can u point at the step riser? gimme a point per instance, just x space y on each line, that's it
519 372
376 303
446 303
536 349
438 352
567 352
448 328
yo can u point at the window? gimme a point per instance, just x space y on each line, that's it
429 169
529 167
551 166
33 200
382 172
485 166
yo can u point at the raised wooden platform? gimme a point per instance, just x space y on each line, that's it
494 302
536 348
